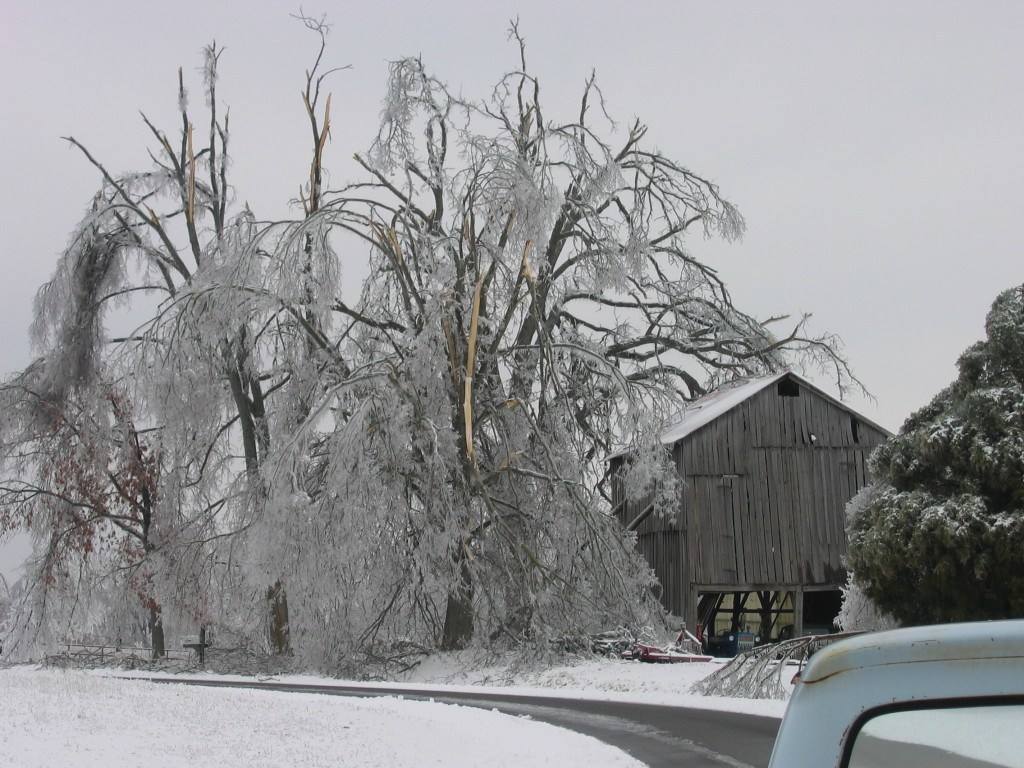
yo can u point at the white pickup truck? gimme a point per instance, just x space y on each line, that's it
936 696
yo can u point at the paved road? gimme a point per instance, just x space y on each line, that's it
656 735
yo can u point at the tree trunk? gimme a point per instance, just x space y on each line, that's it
458 617
156 632
280 639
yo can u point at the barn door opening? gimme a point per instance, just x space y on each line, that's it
728 621
767 615
817 615
733 621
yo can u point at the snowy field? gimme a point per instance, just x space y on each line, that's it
88 719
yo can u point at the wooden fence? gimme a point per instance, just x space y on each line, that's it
86 655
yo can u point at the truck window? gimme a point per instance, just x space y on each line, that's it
982 735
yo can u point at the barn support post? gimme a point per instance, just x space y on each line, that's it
798 612
690 612
767 614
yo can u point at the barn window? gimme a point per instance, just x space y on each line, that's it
789 388
855 429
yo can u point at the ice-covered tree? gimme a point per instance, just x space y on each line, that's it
85 482
939 536
859 613
197 396
530 303
419 462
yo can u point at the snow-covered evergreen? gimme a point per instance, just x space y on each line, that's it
940 535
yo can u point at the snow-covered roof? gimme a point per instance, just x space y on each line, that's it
711 406
708 408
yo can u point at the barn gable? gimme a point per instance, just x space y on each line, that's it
768 467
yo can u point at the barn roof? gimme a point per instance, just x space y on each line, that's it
708 408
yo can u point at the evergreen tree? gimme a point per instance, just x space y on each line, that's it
940 535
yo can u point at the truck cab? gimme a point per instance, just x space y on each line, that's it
944 695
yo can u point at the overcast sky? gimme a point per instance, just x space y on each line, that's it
874 148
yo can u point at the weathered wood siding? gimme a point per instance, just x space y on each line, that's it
764 501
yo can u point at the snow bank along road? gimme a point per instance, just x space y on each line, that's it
87 719
55 718
657 735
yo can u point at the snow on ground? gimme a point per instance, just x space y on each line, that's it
52 717
605 679
89 719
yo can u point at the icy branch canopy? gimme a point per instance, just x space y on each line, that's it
420 465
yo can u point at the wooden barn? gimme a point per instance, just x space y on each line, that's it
758 542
